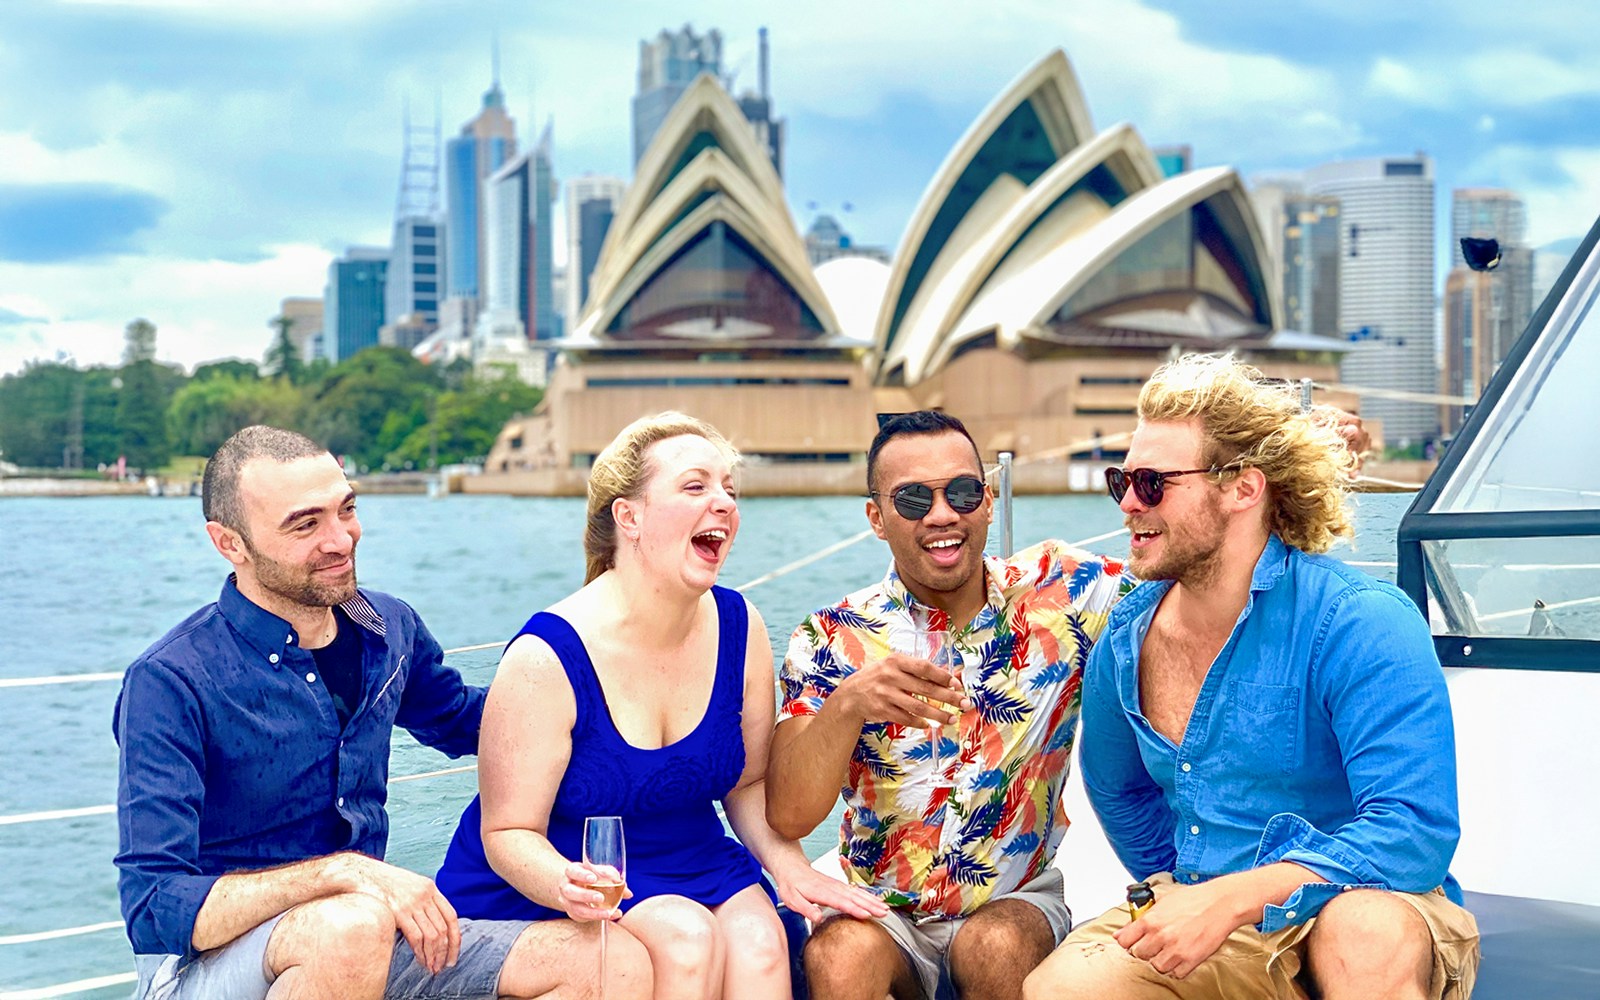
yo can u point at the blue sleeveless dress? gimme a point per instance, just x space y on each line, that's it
676 843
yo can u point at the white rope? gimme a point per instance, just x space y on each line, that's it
18 682
805 561
11 682
39 817
68 989
6 939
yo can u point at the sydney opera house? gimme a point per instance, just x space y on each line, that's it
1047 270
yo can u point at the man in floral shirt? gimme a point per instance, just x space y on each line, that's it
963 856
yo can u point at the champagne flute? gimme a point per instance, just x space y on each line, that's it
936 646
604 851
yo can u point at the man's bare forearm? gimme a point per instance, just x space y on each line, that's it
1251 892
809 762
242 900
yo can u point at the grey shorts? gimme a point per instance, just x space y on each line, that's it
238 969
926 944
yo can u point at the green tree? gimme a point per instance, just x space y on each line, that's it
142 400
466 422
206 412
283 359
229 368
364 406
35 408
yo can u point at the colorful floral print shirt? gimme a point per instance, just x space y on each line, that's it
943 849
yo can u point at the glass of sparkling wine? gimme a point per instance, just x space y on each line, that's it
937 646
605 852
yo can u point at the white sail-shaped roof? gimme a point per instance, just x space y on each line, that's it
1033 124
703 178
1034 231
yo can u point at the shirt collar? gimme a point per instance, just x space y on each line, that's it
994 574
1269 569
270 635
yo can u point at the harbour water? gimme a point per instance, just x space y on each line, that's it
86 584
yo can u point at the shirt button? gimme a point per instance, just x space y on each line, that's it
1346 888
1194 878
1194 829
289 639
1186 767
340 803
272 658
311 678
1289 915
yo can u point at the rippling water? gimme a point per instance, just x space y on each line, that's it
85 585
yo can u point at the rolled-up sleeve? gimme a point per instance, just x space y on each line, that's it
1385 694
160 793
1131 807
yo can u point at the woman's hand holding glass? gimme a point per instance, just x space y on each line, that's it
581 895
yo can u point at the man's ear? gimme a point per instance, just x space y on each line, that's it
1249 488
228 542
875 518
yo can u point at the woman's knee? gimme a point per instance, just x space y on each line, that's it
681 935
756 938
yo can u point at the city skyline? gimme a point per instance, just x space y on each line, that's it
114 204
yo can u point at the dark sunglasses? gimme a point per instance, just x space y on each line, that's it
1148 485
913 501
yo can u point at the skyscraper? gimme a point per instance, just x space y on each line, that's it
672 61
591 202
1386 290
485 144
1310 241
1484 311
667 65
353 301
416 274
518 299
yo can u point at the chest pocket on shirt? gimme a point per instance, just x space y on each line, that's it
1268 730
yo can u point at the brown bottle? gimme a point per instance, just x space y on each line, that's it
1140 899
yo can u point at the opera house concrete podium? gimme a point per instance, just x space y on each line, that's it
1047 270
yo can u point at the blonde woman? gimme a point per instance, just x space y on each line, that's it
648 694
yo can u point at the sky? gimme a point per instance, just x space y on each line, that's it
194 162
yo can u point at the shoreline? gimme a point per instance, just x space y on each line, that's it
757 480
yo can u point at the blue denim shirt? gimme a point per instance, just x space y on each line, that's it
232 757
1322 735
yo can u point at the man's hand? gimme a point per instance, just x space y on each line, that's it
1350 429
907 690
421 913
1186 926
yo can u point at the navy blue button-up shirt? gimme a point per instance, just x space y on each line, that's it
1322 735
232 757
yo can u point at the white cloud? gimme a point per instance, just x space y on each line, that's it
1502 77
202 309
1565 207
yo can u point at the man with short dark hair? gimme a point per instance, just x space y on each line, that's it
962 855
254 742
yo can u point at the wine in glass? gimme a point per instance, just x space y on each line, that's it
606 854
935 645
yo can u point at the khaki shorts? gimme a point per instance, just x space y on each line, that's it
1253 964
926 944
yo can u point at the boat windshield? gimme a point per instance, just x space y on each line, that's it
1509 532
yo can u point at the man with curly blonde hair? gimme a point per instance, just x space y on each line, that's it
1266 732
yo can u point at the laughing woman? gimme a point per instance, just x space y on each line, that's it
648 694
